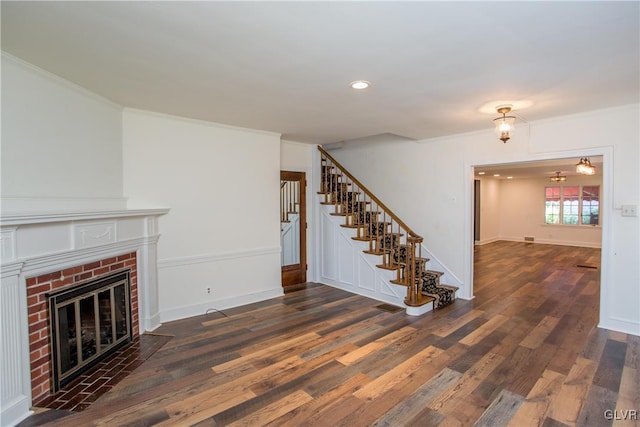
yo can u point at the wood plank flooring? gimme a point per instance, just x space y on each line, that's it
525 351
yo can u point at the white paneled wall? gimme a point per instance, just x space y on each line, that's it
344 264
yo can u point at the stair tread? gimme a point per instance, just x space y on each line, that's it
377 252
425 300
449 287
434 272
388 266
363 239
421 259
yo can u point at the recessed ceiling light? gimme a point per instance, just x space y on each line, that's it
359 84
496 174
481 173
509 177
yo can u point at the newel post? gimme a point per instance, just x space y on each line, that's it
414 267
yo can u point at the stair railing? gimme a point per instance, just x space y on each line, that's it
388 236
289 203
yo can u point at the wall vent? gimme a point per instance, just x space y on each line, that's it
529 238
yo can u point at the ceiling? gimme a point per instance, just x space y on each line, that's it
285 66
536 169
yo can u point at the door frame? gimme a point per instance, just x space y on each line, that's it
606 203
296 274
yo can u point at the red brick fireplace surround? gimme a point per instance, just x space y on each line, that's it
38 312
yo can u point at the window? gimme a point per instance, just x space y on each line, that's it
552 205
590 204
572 205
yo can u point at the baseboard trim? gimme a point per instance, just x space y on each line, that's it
553 242
151 323
16 411
486 241
621 325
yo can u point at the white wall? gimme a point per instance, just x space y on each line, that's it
436 197
522 214
298 157
490 217
222 184
513 209
61 145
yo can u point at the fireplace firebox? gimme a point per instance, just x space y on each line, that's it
88 323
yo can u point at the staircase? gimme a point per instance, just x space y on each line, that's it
397 246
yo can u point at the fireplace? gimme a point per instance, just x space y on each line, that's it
88 322
43 254
53 299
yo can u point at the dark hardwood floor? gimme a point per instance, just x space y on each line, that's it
525 351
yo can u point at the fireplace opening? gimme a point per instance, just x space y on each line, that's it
88 323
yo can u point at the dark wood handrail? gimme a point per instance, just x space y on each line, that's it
371 195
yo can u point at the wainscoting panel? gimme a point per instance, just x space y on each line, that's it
344 265
329 251
367 275
345 250
392 291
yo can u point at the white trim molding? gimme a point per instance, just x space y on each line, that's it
220 256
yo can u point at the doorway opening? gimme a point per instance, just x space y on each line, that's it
519 202
293 230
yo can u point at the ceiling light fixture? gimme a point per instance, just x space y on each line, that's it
481 173
558 178
504 124
359 84
584 167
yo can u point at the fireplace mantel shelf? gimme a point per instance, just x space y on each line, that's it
40 217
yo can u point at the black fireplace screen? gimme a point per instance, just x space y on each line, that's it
88 323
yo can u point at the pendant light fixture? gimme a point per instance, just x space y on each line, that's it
558 178
584 167
504 124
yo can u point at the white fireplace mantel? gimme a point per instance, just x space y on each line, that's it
33 244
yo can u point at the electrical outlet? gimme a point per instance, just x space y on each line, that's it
629 210
208 290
